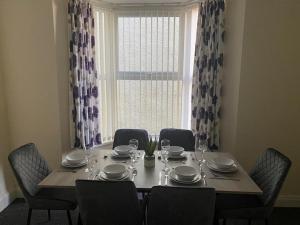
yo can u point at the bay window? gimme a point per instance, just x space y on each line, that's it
144 59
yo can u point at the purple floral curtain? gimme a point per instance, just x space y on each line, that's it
83 76
207 75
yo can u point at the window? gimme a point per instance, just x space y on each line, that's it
144 63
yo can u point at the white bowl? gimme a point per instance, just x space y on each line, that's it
123 149
223 162
185 173
114 170
75 157
175 150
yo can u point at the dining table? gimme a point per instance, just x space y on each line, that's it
145 178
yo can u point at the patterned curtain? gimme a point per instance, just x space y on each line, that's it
207 74
83 76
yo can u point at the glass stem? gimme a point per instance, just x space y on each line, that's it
87 164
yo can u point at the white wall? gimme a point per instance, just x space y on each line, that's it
235 16
60 19
267 107
30 73
34 59
269 102
35 91
7 186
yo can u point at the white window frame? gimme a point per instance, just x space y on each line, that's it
184 73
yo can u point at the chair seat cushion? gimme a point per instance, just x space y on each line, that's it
54 198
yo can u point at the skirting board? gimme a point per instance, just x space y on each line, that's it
288 201
7 198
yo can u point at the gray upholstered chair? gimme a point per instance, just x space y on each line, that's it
181 206
179 137
269 173
30 168
122 137
109 203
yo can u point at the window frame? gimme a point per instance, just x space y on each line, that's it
148 75
185 62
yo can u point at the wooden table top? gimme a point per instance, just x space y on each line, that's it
146 178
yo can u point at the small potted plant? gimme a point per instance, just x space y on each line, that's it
149 158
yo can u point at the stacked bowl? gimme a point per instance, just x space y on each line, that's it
222 164
75 159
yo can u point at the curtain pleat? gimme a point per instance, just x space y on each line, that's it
83 76
207 74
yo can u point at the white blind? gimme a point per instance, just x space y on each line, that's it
143 69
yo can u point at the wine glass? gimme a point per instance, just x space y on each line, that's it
201 147
133 143
87 153
92 168
165 146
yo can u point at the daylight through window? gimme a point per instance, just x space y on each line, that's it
144 63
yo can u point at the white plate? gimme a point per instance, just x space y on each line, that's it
175 150
104 177
118 156
75 157
65 163
222 162
186 173
114 170
181 156
222 170
176 179
123 149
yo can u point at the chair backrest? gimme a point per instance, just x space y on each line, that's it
179 137
109 203
122 137
181 206
29 167
269 173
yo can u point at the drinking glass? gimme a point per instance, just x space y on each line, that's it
201 147
87 153
165 146
133 143
92 168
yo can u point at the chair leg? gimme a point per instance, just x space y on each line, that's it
249 222
266 221
49 215
79 222
69 217
216 221
224 221
29 216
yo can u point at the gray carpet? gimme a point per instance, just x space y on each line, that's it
16 214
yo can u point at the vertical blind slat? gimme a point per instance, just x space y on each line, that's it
168 70
146 61
123 105
156 127
173 108
151 109
162 67
140 50
145 88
